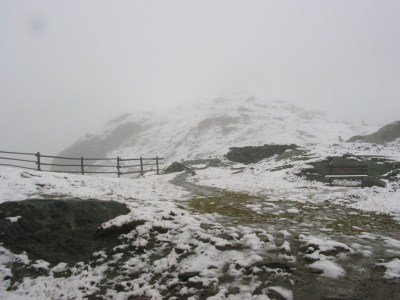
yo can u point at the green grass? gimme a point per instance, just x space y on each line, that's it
233 205
369 223
344 220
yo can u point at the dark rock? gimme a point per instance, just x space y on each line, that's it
160 229
372 181
392 175
133 297
387 133
229 247
178 167
58 230
175 167
210 162
187 275
251 154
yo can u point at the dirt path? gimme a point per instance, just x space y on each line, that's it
370 237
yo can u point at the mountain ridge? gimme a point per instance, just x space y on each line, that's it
387 133
210 128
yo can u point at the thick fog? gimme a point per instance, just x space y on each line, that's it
66 67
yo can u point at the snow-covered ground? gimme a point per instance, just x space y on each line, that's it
187 248
17 184
295 239
187 252
180 253
266 178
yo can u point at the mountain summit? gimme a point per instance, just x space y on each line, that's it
210 128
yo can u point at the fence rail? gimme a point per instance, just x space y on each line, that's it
79 166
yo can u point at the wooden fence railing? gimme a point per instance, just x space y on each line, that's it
81 165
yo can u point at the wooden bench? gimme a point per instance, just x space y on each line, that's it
343 172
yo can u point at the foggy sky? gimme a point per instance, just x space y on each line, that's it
66 67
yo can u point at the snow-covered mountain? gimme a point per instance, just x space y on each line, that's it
210 128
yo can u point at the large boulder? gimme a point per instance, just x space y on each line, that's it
58 230
254 154
175 167
372 181
387 133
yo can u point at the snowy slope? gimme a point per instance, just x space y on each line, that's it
271 178
210 128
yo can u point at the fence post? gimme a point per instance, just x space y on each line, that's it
158 168
118 167
141 166
83 172
38 161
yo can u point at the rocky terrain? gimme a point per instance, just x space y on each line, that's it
256 220
213 229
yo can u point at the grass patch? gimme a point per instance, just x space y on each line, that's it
356 223
234 205
246 209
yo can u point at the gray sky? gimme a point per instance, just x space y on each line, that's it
68 66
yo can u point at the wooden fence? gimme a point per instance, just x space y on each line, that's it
81 165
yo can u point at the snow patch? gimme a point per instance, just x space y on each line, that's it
13 219
285 293
293 211
392 268
329 269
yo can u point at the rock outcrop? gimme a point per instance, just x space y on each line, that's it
372 181
178 167
58 230
251 154
387 133
175 167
